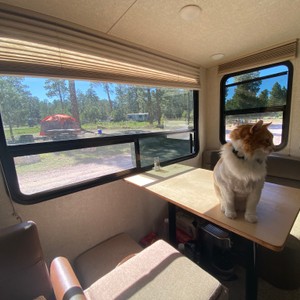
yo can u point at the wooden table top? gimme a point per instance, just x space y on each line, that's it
192 189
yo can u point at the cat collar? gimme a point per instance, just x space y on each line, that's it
236 153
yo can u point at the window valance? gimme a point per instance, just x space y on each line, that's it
36 44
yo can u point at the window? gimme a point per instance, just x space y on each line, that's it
80 108
61 135
258 94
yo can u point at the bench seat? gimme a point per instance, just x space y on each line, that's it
104 257
157 272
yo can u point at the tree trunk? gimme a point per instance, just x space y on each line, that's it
158 108
106 88
149 106
74 103
61 100
11 131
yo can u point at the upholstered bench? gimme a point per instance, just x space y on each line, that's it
104 257
157 272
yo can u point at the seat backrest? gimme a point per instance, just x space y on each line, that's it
23 270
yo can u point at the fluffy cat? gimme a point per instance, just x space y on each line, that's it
240 173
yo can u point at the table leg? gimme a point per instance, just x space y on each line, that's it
251 268
251 273
172 223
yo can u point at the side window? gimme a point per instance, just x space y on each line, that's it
60 135
258 94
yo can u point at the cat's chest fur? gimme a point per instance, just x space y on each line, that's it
241 187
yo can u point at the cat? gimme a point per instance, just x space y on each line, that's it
239 175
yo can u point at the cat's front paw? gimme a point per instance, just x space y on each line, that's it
251 218
230 214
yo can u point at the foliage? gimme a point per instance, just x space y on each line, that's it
246 93
18 106
21 110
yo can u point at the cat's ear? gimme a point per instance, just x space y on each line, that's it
268 124
256 126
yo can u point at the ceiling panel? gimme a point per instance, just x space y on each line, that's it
235 28
96 14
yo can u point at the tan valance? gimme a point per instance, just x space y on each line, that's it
271 55
34 44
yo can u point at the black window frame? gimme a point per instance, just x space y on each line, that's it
284 108
9 152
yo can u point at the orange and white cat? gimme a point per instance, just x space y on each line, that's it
240 173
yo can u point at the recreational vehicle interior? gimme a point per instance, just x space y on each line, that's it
112 115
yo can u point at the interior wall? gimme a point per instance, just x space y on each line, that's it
203 116
293 148
197 161
213 111
72 224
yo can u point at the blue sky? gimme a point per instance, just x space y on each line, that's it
36 87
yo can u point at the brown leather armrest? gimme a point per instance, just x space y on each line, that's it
65 283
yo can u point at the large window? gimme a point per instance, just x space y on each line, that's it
258 94
60 135
80 108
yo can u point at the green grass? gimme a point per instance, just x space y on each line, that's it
35 130
118 125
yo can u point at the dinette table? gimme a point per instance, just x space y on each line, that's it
192 189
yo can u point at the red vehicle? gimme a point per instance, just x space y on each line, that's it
60 126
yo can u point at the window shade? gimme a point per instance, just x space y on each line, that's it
34 44
272 55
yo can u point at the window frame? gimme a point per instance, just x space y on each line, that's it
285 109
44 46
10 152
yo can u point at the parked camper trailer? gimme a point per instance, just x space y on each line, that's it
140 117
115 198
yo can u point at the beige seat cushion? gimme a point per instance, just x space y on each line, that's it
104 257
158 272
